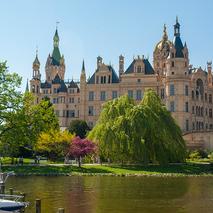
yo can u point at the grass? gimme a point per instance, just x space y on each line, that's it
178 169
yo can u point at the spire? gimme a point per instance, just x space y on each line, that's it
165 36
27 87
177 28
56 38
56 55
83 67
36 61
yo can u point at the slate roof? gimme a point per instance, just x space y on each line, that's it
115 78
45 85
72 84
56 56
56 80
63 87
148 67
178 46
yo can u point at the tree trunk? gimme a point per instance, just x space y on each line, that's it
79 162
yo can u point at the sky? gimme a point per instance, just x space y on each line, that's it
89 28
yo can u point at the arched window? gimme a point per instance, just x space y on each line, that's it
200 87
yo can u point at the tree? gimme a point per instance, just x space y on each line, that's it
146 132
54 143
10 98
26 124
79 128
80 148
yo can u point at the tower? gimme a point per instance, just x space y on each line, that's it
55 63
209 67
36 80
83 92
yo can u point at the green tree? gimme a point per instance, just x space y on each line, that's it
146 132
79 128
54 143
10 97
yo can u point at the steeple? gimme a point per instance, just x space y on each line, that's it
56 55
27 87
177 28
56 39
36 61
36 67
83 68
165 36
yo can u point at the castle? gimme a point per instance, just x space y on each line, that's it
186 91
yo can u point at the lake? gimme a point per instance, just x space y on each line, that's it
104 194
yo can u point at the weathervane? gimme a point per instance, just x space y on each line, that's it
57 22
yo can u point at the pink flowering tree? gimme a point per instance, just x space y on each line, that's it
80 148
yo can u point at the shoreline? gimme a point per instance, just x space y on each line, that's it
177 170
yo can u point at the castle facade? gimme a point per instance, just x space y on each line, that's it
186 91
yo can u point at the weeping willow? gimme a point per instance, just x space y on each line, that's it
143 133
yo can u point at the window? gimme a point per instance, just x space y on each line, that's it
103 79
173 63
57 112
33 89
186 107
187 125
91 96
109 79
210 113
162 93
64 113
205 96
193 94
186 90
138 69
55 90
172 106
130 93
71 113
90 111
71 90
71 100
97 79
103 96
114 94
139 80
193 109
55 100
193 126
210 98
173 55
138 95
172 90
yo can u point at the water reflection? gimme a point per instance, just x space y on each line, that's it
117 194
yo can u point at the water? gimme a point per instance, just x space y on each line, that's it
98 194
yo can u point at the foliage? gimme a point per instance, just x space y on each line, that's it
79 128
54 143
194 155
25 125
80 148
10 98
126 132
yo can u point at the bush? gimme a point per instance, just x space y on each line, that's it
194 155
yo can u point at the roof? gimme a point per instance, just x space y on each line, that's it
148 67
72 84
36 61
45 85
63 87
115 78
56 56
56 80
178 46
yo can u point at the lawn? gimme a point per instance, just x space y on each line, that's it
177 169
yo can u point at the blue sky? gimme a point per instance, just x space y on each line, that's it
89 28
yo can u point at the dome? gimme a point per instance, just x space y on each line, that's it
164 44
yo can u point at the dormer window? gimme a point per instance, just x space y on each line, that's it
139 69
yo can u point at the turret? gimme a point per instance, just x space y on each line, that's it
209 68
83 74
99 61
36 68
121 65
